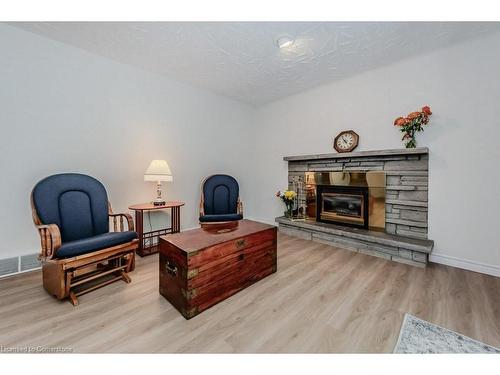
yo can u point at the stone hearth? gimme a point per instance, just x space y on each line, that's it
404 237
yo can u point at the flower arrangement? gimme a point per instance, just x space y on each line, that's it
411 124
288 197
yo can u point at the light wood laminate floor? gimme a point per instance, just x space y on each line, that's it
322 299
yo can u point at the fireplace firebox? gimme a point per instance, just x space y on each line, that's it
346 205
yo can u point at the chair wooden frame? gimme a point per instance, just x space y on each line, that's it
216 224
72 277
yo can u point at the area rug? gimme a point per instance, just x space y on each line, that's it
419 336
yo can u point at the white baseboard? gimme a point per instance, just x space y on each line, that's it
20 272
465 264
190 228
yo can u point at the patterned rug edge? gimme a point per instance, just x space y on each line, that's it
410 316
401 332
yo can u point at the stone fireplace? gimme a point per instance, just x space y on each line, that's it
374 202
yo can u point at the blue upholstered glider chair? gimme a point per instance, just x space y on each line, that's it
220 200
79 253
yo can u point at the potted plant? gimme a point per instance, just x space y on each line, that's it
288 197
412 124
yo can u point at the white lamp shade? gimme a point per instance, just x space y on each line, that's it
158 170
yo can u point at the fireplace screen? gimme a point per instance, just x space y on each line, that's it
343 205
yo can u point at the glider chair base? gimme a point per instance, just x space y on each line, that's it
72 277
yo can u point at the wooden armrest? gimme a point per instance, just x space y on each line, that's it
202 209
240 207
50 238
118 222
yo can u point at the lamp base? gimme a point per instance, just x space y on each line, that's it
159 202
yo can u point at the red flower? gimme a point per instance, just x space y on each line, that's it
425 119
400 121
278 193
414 115
426 110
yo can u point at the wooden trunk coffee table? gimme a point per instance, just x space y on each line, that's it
199 268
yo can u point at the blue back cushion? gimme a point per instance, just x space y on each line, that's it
220 193
76 203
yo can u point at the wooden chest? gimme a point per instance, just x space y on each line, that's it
199 268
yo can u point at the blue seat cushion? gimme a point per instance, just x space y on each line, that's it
76 203
99 242
216 218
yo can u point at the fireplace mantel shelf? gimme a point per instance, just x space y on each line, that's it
360 154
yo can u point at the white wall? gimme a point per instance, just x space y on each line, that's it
462 86
63 109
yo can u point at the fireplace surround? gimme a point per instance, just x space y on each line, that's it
365 189
397 185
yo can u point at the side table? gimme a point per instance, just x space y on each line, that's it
149 241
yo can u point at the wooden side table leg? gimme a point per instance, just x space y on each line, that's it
176 219
172 218
139 223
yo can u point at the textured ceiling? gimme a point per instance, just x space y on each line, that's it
241 60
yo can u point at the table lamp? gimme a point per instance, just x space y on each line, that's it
158 171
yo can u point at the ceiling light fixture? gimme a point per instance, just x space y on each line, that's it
284 42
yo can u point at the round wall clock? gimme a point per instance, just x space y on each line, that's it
346 141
